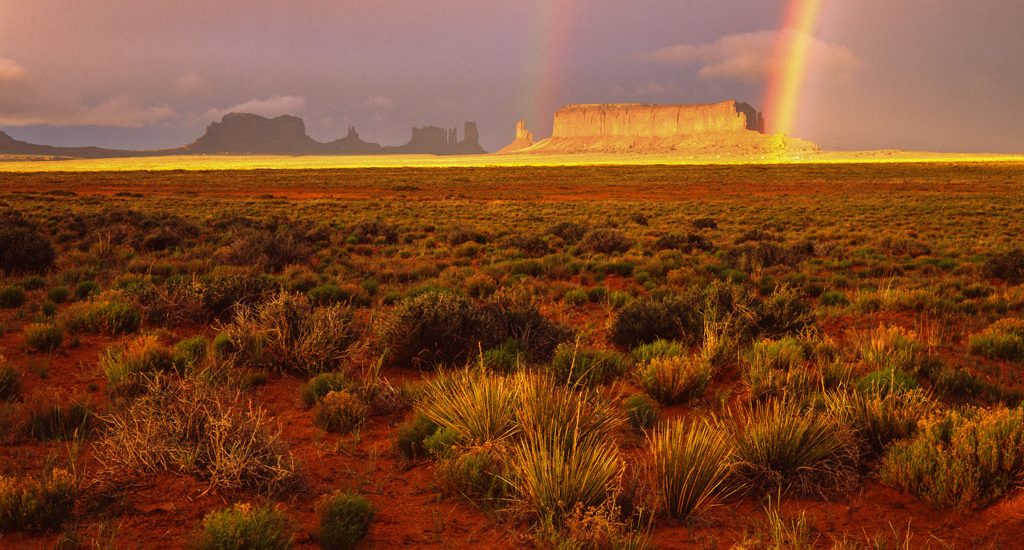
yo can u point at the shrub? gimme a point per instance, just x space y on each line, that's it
86 289
244 526
370 231
676 379
605 241
690 465
271 251
288 334
658 349
345 520
220 293
478 406
879 418
189 353
545 406
783 312
462 234
641 411
341 412
963 459
1003 340
44 337
430 329
687 243
575 297
103 317
126 367
893 348
37 505
506 358
779 447
1008 266
411 437
10 381
12 297
323 384
327 294
705 223
886 381
646 320
478 474
512 315
573 365
567 231
777 367
193 427
833 298
23 249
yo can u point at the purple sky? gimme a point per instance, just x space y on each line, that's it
914 74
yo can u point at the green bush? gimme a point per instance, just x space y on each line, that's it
658 349
243 526
322 384
431 329
691 465
605 241
44 337
961 460
1008 266
575 297
37 505
190 352
345 520
58 294
12 297
478 474
35 282
23 249
888 380
778 368
641 411
411 436
1003 340
341 412
127 366
86 289
573 365
103 317
646 320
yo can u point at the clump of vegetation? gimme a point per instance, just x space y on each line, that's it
10 381
23 249
647 320
53 415
345 520
12 297
476 405
573 365
245 526
341 412
127 367
690 465
430 329
1007 266
894 348
675 379
43 337
322 384
778 368
1003 340
195 428
641 411
412 436
37 505
779 447
109 317
287 333
605 241
879 417
961 459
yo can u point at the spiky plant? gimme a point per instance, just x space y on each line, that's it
690 465
877 417
477 405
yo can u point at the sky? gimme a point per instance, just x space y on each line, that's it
939 75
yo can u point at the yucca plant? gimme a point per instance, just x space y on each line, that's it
780 447
691 464
877 417
556 471
477 405
544 406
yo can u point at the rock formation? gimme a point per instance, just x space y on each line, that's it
441 141
11 146
249 133
524 139
351 144
728 128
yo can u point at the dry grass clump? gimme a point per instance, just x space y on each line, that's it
191 427
690 465
341 412
287 333
780 447
127 366
960 460
476 405
779 368
245 526
1003 340
677 379
879 417
111 317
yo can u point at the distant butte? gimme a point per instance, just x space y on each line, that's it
727 128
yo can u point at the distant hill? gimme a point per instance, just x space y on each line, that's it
11 146
250 134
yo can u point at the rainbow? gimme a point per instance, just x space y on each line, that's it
548 58
786 81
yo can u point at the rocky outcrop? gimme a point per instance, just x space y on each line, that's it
11 146
441 141
524 140
351 144
249 133
729 128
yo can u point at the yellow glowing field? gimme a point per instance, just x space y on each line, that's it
228 162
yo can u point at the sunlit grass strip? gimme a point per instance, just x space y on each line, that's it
690 465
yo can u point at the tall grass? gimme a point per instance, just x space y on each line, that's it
878 417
